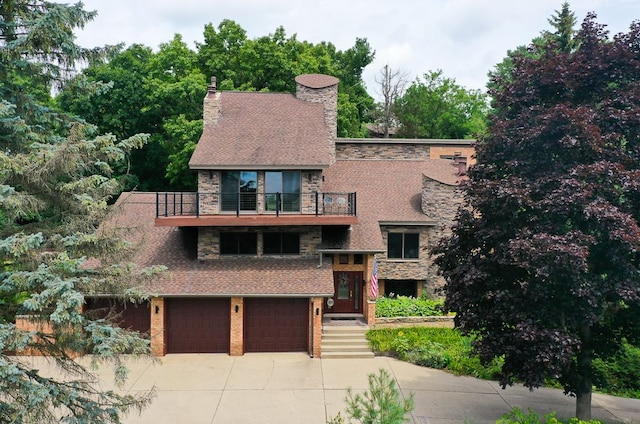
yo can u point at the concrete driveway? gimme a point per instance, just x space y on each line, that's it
293 388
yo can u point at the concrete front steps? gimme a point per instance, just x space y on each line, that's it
345 341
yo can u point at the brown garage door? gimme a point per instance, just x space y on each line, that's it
276 324
197 325
126 314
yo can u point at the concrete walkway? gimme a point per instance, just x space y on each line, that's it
293 388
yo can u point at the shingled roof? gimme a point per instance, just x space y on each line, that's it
133 216
387 191
266 131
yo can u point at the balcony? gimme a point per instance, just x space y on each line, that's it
254 209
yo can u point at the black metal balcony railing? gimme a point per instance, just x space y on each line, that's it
196 204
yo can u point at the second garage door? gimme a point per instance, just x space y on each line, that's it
197 325
276 324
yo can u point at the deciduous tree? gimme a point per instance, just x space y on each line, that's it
437 107
543 263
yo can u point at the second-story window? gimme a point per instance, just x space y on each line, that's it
238 189
403 246
281 243
282 190
238 244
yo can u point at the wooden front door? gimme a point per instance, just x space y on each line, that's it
347 296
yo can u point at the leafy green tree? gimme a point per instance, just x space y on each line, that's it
543 263
271 63
55 184
437 107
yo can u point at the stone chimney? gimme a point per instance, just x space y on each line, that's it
319 88
211 104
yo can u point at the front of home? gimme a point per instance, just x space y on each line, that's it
286 225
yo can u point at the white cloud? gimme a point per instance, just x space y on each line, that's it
464 38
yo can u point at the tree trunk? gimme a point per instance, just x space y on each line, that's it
583 406
585 385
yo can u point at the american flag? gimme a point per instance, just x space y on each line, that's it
374 280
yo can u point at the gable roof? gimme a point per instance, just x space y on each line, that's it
387 191
133 217
266 131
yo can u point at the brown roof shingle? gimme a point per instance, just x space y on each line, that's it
387 191
264 130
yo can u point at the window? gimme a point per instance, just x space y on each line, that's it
281 243
282 191
239 190
403 246
238 244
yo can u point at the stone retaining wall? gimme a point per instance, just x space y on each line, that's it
432 321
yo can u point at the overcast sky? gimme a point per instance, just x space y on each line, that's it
464 38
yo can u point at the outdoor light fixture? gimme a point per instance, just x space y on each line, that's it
157 309
237 308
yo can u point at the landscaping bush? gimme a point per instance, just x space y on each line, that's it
406 306
442 348
516 416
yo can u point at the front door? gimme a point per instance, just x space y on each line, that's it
347 296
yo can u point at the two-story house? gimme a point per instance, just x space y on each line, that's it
286 223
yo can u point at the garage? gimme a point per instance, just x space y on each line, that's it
197 325
127 315
276 324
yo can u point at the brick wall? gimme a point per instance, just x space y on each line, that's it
237 327
315 330
158 333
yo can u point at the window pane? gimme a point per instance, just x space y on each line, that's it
273 182
411 246
248 188
290 243
248 244
228 244
271 243
229 189
394 247
238 244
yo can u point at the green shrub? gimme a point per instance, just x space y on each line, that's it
405 306
516 416
619 374
442 348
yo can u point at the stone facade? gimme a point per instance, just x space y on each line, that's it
328 96
209 239
209 191
375 150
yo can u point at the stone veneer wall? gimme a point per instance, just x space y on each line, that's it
328 96
382 151
399 269
209 240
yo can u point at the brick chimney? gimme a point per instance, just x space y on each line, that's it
211 104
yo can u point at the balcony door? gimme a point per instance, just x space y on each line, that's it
282 191
239 191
